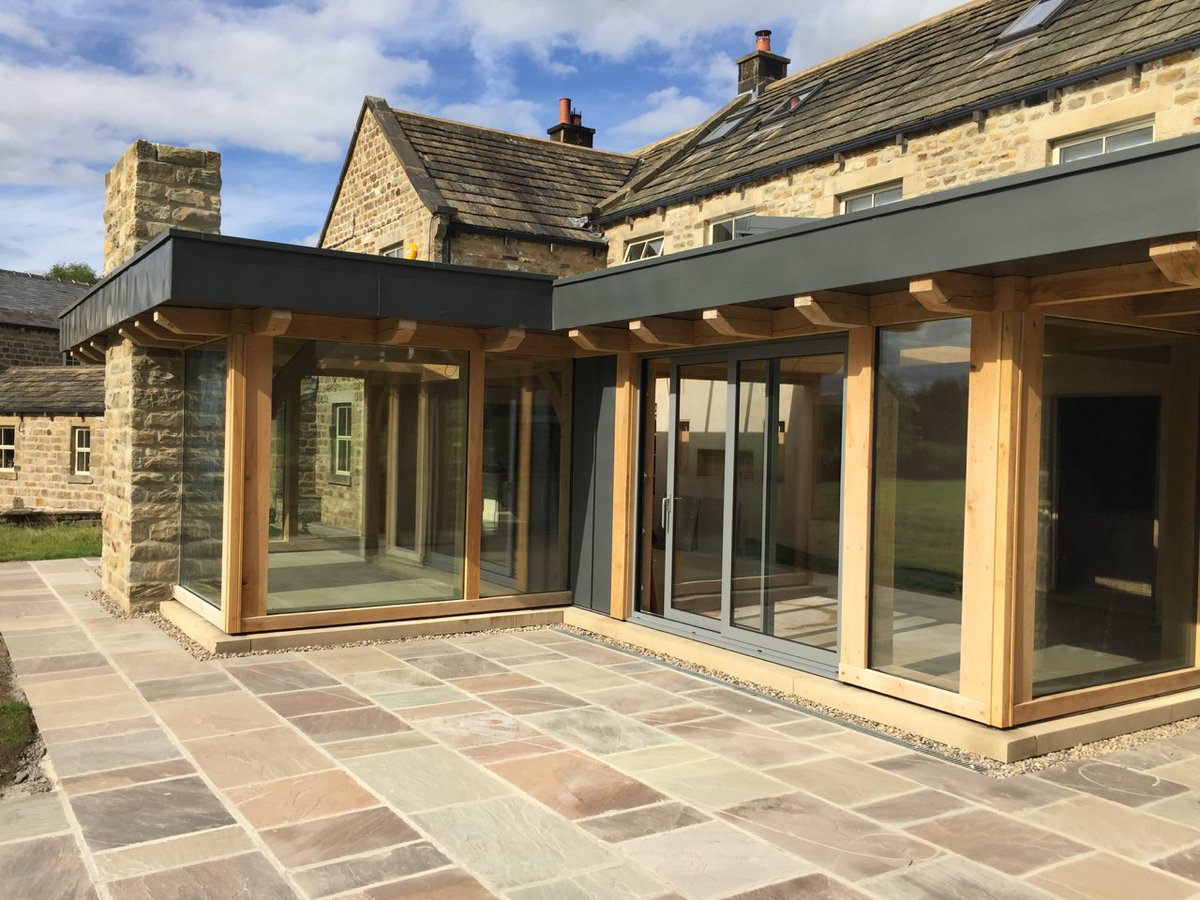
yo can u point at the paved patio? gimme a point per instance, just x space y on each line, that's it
526 765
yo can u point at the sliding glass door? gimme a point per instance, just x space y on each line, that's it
741 451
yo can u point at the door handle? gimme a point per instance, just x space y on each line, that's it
664 512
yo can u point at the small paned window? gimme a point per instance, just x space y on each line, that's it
8 448
873 197
729 229
342 438
645 248
1097 143
1033 19
401 250
81 451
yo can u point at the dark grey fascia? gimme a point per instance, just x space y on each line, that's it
188 269
1134 195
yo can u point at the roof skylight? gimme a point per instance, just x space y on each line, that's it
727 125
795 100
1033 19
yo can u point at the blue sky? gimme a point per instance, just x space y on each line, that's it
276 87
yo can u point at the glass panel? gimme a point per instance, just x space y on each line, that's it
919 499
787 500
889 195
722 231
369 482
526 420
656 396
1125 140
203 495
1084 150
1116 591
858 204
698 510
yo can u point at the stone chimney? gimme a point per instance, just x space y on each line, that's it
761 66
154 187
569 129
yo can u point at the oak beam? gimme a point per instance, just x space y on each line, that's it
1179 261
160 336
601 340
271 322
86 354
660 331
740 321
1107 283
503 340
395 331
834 309
1162 306
954 292
201 323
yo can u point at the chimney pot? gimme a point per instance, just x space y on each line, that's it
570 128
564 111
763 40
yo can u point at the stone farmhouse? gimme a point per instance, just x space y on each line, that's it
880 387
51 415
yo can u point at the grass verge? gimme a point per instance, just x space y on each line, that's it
65 541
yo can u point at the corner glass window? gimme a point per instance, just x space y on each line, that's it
1099 143
729 229
873 197
1116 570
203 503
645 248
921 391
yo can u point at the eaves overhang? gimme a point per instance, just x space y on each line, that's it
182 268
1061 217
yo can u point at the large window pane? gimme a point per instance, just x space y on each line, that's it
368 495
203 471
1116 592
656 404
526 422
919 499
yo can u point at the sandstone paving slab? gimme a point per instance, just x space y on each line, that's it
383 743
114 778
48 642
346 875
845 782
351 660
951 876
626 881
489 684
416 697
742 741
445 884
713 783
670 679
171 853
162 664
1006 795
1113 782
637 698
147 812
575 785
89 711
253 756
76 688
626 825
527 701
817 886
745 706
513 841
998 841
854 744
1118 829
456 664
840 842
50 867
1101 875
713 860
444 710
595 653
289 800
114 751
34 815
54 736
247 875
315 700
348 724
490 753
69 663
414 649
1184 809
348 834
657 757
273 677
1185 863
574 675
917 806
203 685
597 730
672 715
189 718
445 778
476 729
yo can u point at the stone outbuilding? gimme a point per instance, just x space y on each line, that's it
29 308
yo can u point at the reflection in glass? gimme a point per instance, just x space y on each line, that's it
1116 592
203 471
698 507
526 416
656 394
368 495
787 498
919 500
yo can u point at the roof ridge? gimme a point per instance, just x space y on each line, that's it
541 142
43 277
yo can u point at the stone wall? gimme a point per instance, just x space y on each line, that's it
491 251
1015 138
143 473
154 187
376 206
43 479
22 346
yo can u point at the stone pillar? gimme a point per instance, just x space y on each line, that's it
154 187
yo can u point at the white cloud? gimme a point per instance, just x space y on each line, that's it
825 30
521 116
670 111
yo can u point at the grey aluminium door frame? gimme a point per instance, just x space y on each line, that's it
723 632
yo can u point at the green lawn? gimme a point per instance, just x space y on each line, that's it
21 542
16 723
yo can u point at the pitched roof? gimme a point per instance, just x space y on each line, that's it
935 71
510 183
35 300
52 390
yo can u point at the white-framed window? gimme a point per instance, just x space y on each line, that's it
880 195
1035 18
343 441
81 451
644 248
397 251
729 229
1107 140
8 448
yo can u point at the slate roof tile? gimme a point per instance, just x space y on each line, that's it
35 300
54 390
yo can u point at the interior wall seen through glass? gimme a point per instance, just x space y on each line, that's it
921 393
1116 587
526 475
203 489
368 475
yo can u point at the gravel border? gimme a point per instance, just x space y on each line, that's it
909 740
